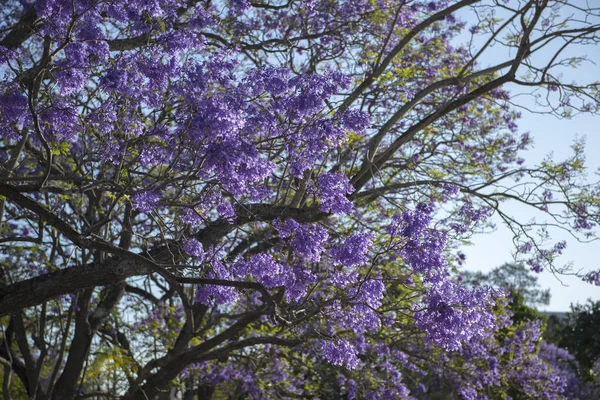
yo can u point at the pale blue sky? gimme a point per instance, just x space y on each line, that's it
553 135
491 250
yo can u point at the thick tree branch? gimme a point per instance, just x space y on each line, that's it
124 264
368 168
22 31
171 369
381 68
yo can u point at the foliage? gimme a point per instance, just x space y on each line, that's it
579 334
250 199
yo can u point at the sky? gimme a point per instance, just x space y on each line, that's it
552 136
491 250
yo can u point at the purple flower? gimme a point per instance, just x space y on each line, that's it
333 189
190 216
449 190
13 111
355 120
359 318
298 284
226 211
419 246
235 162
61 123
371 293
307 240
454 315
340 352
353 251
264 269
145 201
194 248
593 278
215 294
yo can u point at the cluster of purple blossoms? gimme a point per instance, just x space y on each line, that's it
537 379
307 240
542 257
593 277
146 201
355 120
194 248
215 295
369 292
297 287
360 317
333 189
470 216
419 246
353 251
339 352
264 269
13 106
454 315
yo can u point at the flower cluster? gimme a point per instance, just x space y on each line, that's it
307 240
194 248
353 251
333 189
264 269
214 295
454 315
339 352
146 201
419 246
593 277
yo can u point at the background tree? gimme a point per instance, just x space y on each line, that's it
570 342
514 278
578 334
213 197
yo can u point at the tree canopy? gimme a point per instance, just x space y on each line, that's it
579 335
267 199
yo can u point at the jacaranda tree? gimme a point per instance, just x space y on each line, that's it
267 199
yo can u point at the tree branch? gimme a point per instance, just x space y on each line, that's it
125 263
